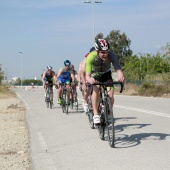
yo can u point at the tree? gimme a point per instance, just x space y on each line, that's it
99 36
1 74
119 44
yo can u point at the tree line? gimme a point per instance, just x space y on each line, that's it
139 68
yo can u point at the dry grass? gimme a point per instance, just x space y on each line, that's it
129 89
146 89
5 92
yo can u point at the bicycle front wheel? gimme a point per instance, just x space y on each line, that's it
51 104
63 103
110 123
47 104
47 99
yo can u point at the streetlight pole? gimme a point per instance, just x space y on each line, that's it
21 67
93 20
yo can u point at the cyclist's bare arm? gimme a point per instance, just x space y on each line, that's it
58 74
72 75
120 75
90 79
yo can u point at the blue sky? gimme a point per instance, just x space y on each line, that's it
49 31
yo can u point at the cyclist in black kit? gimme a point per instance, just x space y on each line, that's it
47 79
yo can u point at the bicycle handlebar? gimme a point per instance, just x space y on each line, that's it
108 83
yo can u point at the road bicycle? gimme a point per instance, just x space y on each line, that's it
64 98
73 98
106 113
48 98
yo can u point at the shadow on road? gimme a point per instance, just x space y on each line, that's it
120 128
126 141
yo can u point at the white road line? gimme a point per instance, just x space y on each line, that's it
48 160
42 142
27 107
144 111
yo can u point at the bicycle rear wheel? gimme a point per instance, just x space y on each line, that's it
101 127
110 123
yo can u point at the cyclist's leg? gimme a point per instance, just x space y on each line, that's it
95 103
108 78
86 94
111 94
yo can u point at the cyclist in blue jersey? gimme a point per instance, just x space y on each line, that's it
63 76
47 78
98 68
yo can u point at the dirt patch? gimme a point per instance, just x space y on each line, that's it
14 141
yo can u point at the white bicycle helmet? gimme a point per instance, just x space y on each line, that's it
49 68
102 45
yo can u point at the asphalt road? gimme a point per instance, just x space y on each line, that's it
66 142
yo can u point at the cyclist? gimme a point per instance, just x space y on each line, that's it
63 76
98 68
47 78
82 75
75 81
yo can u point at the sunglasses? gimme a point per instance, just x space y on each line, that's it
103 52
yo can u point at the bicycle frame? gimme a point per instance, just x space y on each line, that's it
64 98
106 112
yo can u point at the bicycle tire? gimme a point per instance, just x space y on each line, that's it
63 104
47 100
47 104
71 100
110 123
50 98
51 104
90 113
67 102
